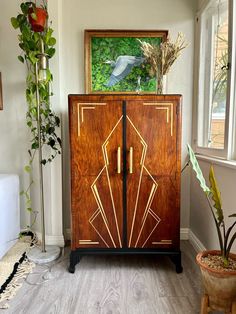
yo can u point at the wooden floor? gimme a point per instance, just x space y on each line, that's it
114 284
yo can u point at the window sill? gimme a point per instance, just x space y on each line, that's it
221 162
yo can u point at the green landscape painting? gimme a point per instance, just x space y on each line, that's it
117 65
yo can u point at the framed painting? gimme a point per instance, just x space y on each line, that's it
114 62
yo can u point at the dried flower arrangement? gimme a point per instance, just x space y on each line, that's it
162 57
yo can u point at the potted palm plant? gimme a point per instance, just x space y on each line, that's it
218 267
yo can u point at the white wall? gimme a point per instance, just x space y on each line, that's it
173 15
202 3
14 136
13 132
201 222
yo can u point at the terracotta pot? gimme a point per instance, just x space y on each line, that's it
220 285
38 24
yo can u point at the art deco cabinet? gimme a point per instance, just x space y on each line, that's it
125 175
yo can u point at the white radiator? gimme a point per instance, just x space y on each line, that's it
9 211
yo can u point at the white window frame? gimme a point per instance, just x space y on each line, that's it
229 151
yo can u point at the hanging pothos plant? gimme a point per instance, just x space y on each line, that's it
31 40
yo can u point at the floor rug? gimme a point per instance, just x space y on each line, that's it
14 267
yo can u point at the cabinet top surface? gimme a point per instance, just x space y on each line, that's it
97 97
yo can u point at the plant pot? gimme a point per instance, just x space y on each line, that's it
38 25
220 285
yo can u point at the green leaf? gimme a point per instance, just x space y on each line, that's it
198 170
52 41
27 169
21 59
233 215
24 8
34 146
50 52
215 195
29 209
59 140
57 120
32 45
36 37
44 161
48 35
14 22
22 193
32 57
51 142
49 75
22 20
51 130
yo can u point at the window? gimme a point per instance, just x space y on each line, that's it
216 88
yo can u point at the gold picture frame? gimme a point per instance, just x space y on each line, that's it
102 45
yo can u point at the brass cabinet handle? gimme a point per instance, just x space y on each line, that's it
131 160
118 160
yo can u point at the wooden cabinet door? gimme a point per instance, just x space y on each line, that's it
96 139
153 174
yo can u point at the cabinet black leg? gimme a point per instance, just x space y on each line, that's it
74 259
176 259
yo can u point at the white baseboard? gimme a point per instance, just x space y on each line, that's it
184 234
196 243
52 240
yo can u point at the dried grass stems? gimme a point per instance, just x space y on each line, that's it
153 56
161 57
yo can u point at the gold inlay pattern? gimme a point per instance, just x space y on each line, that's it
150 199
148 211
163 242
85 106
169 107
153 215
105 156
82 112
99 202
87 242
101 211
94 216
140 177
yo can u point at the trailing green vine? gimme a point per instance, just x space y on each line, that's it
31 44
